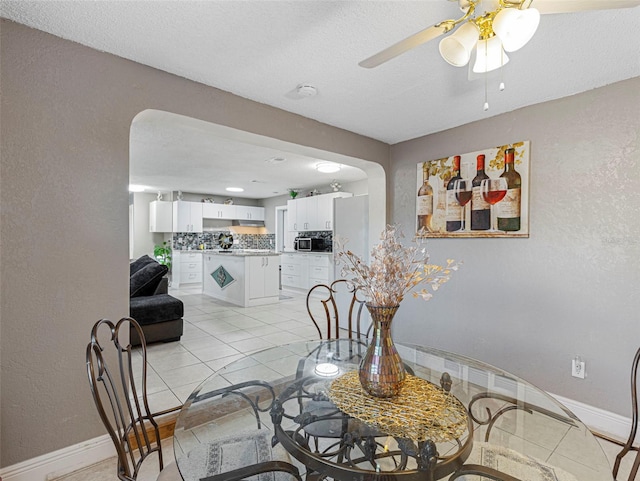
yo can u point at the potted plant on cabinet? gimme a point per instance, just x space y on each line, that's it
162 253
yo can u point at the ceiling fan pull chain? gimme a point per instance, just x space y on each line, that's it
501 87
486 98
486 95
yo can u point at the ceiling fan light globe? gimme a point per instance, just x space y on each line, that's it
464 5
489 55
456 48
516 27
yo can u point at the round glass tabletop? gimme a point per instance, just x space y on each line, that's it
478 420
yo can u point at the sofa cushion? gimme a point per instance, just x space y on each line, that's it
155 309
139 263
144 281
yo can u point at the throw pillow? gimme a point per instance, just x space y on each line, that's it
145 281
139 263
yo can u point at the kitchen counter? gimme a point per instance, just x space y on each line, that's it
242 252
247 277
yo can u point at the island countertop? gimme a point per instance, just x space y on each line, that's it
246 278
242 252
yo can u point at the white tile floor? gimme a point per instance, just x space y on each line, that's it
216 334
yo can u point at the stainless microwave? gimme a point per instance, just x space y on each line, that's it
309 244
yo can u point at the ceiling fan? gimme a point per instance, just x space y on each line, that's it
492 27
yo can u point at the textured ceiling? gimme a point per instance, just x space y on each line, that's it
262 50
171 152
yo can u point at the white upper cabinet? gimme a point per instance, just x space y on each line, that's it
292 213
187 216
160 216
248 212
219 211
312 213
307 213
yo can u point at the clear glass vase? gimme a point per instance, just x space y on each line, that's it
382 370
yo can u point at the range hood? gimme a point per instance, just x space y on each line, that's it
248 223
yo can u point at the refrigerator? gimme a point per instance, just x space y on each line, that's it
351 221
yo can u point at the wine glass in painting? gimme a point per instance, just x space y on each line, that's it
493 191
463 191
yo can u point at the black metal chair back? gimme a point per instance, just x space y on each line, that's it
331 298
120 394
628 446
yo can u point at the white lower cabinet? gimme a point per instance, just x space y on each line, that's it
291 270
244 280
186 268
318 269
263 277
303 271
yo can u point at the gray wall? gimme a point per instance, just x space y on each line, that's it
66 113
270 205
531 305
360 187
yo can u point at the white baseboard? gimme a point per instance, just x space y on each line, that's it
59 463
599 420
64 461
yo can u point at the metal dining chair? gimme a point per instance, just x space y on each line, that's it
628 446
337 312
120 396
328 304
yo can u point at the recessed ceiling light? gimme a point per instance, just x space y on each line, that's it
234 189
328 167
136 188
306 90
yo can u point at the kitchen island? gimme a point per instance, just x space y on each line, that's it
243 277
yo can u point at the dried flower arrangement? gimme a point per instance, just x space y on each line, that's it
394 269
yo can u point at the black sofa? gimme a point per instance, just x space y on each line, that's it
158 313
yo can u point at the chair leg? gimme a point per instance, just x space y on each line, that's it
634 468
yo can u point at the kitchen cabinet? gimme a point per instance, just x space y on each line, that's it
187 216
324 210
186 268
263 277
248 212
303 271
232 212
307 213
160 216
312 213
292 270
219 211
318 271
292 213
250 279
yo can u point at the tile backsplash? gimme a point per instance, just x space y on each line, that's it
193 240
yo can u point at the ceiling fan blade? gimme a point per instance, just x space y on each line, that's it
566 6
423 36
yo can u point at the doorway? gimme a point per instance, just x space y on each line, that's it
284 238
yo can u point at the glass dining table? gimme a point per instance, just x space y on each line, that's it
456 418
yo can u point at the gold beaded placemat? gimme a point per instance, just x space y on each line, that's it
421 411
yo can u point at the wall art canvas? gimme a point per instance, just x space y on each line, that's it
477 194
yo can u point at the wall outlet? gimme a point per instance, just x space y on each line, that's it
577 368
